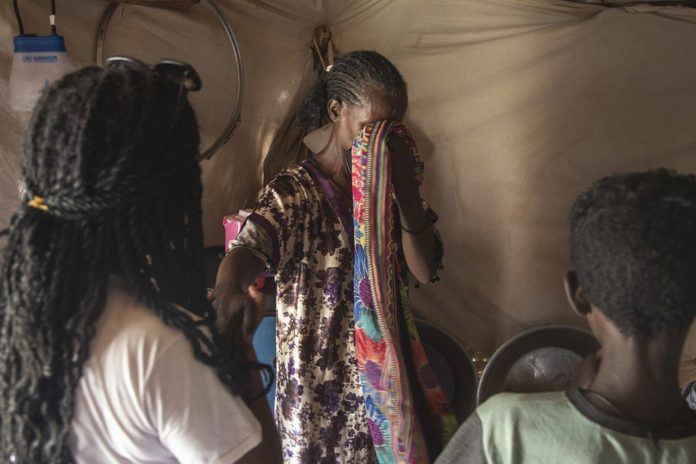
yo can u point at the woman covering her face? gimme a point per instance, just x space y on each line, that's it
302 230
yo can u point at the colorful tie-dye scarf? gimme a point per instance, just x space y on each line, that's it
381 293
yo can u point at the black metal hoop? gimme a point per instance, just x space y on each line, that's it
236 117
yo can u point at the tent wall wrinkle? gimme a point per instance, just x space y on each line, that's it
517 105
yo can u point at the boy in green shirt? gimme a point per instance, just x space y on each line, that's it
633 254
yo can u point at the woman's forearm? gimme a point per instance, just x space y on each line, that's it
418 239
239 269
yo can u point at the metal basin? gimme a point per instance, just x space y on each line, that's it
540 359
453 368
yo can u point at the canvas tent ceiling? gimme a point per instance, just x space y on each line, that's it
517 105
622 3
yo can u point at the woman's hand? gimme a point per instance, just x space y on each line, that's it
403 176
238 303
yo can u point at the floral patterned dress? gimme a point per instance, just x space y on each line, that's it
303 229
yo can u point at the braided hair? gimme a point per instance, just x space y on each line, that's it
110 154
354 77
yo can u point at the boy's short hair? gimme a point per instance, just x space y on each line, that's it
633 248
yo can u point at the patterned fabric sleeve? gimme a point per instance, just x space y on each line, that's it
271 231
255 239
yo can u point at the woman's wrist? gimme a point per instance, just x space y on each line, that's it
250 352
419 230
412 215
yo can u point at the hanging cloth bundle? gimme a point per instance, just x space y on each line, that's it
289 145
402 430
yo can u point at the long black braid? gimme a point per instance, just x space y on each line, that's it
109 167
354 77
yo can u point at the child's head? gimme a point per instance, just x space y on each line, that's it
633 252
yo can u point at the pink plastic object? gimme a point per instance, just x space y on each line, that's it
233 224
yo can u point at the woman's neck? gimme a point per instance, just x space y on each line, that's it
332 162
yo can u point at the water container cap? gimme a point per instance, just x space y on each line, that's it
39 43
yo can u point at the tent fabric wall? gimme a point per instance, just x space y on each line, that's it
517 105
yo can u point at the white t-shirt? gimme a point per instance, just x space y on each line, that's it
143 397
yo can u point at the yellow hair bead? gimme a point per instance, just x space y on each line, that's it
37 202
